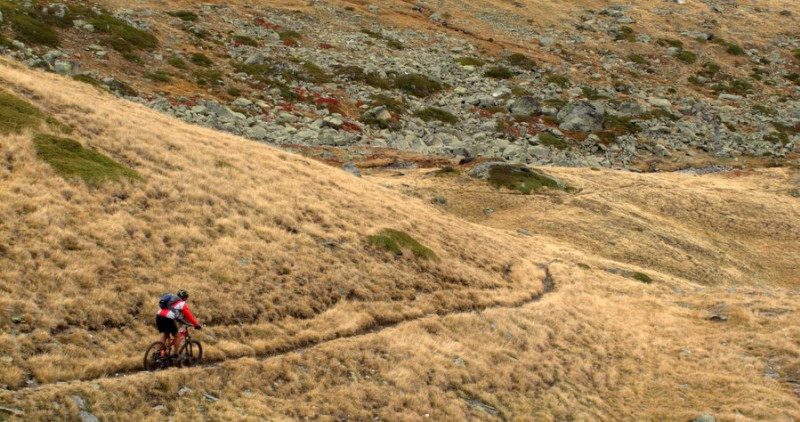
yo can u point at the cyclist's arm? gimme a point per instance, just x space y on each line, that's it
189 317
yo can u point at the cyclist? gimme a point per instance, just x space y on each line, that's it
176 310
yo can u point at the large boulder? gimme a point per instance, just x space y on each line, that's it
580 116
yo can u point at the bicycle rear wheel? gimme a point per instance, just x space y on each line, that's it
191 353
156 357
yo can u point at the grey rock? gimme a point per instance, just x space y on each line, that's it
209 397
255 58
705 417
184 391
221 111
333 122
488 211
64 67
242 102
524 232
79 401
255 132
730 97
660 102
439 200
352 169
58 10
87 417
547 41
525 105
581 116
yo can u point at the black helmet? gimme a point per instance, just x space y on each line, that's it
183 294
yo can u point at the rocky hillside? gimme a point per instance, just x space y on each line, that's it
655 85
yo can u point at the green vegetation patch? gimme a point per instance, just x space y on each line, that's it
734 50
201 59
520 60
644 278
290 37
559 80
666 42
70 159
159 76
638 59
625 33
796 53
686 56
357 74
244 40
520 178
417 85
372 34
498 72
394 44
17 114
184 15
431 113
391 104
177 62
470 61
313 73
396 241
447 171
123 37
34 31
551 140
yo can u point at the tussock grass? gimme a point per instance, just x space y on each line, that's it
17 114
201 59
396 241
521 61
70 159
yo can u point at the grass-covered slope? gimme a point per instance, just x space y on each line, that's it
273 248
329 297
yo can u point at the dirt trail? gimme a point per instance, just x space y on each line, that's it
548 286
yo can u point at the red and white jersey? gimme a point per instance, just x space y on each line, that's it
180 312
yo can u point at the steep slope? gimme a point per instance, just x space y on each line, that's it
305 318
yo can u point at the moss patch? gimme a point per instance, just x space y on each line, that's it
686 56
522 179
201 59
184 15
551 140
470 61
520 60
417 85
70 159
559 80
17 115
432 113
123 37
396 242
644 278
33 31
498 72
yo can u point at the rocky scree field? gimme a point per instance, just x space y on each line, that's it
652 86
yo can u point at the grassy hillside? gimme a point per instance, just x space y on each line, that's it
309 314
265 242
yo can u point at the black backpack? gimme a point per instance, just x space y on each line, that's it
167 301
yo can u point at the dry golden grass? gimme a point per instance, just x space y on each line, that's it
274 250
268 241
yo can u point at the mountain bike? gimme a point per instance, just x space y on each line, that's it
161 356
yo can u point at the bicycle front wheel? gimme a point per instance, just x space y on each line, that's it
156 357
191 353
